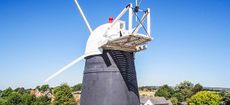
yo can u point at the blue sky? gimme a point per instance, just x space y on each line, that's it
38 37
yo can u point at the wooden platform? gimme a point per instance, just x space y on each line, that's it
127 43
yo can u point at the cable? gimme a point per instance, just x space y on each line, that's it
140 3
141 24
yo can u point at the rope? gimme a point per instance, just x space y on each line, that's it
141 25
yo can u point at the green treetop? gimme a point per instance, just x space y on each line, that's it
63 95
165 91
205 98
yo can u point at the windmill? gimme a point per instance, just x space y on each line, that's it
109 76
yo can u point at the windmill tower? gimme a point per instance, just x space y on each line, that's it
109 75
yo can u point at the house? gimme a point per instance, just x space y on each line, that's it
37 93
183 103
48 94
145 100
77 96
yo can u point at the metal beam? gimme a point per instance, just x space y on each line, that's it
120 15
148 22
130 18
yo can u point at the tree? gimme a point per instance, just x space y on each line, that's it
21 90
38 88
184 85
147 88
226 98
179 96
43 100
63 95
45 87
197 88
165 91
14 99
174 100
185 88
205 98
77 87
0 94
6 92
3 101
28 99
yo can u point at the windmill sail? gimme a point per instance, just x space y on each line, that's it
65 68
83 16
